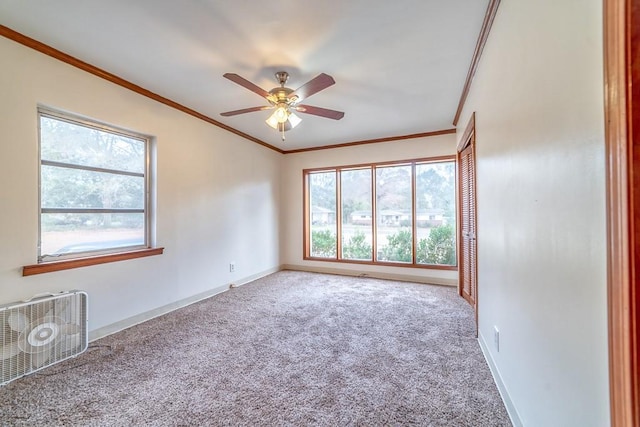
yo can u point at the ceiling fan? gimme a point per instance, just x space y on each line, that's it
285 100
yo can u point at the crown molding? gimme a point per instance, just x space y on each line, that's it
489 16
372 141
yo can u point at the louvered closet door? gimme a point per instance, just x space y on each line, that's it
468 283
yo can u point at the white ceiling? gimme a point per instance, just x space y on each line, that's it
399 66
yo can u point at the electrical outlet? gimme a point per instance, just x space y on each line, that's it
496 338
232 267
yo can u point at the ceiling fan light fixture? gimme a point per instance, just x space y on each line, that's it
283 118
282 113
273 121
294 120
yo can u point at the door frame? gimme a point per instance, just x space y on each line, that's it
622 145
468 139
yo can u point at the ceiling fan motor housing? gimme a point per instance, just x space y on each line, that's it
280 95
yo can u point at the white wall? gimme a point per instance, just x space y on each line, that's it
217 194
538 98
292 194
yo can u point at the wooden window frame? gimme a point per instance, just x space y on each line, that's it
306 244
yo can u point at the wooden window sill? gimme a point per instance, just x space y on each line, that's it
47 267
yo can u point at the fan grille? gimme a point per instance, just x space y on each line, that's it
41 332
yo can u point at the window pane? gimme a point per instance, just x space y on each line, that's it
393 213
70 151
435 211
76 188
61 141
356 214
322 207
71 233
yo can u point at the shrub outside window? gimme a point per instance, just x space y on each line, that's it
94 196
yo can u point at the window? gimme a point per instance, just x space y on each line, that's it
94 188
435 213
394 198
322 208
357 214
400 213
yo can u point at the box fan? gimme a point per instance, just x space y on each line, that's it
41 331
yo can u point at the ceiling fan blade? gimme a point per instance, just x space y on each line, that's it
315 85
245 110
246 84
318 111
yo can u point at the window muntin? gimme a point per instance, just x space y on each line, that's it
94 196
400 213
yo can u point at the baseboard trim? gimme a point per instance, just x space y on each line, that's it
151 314
249 279
374 274
502 388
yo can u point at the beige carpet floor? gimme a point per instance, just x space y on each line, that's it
290 349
